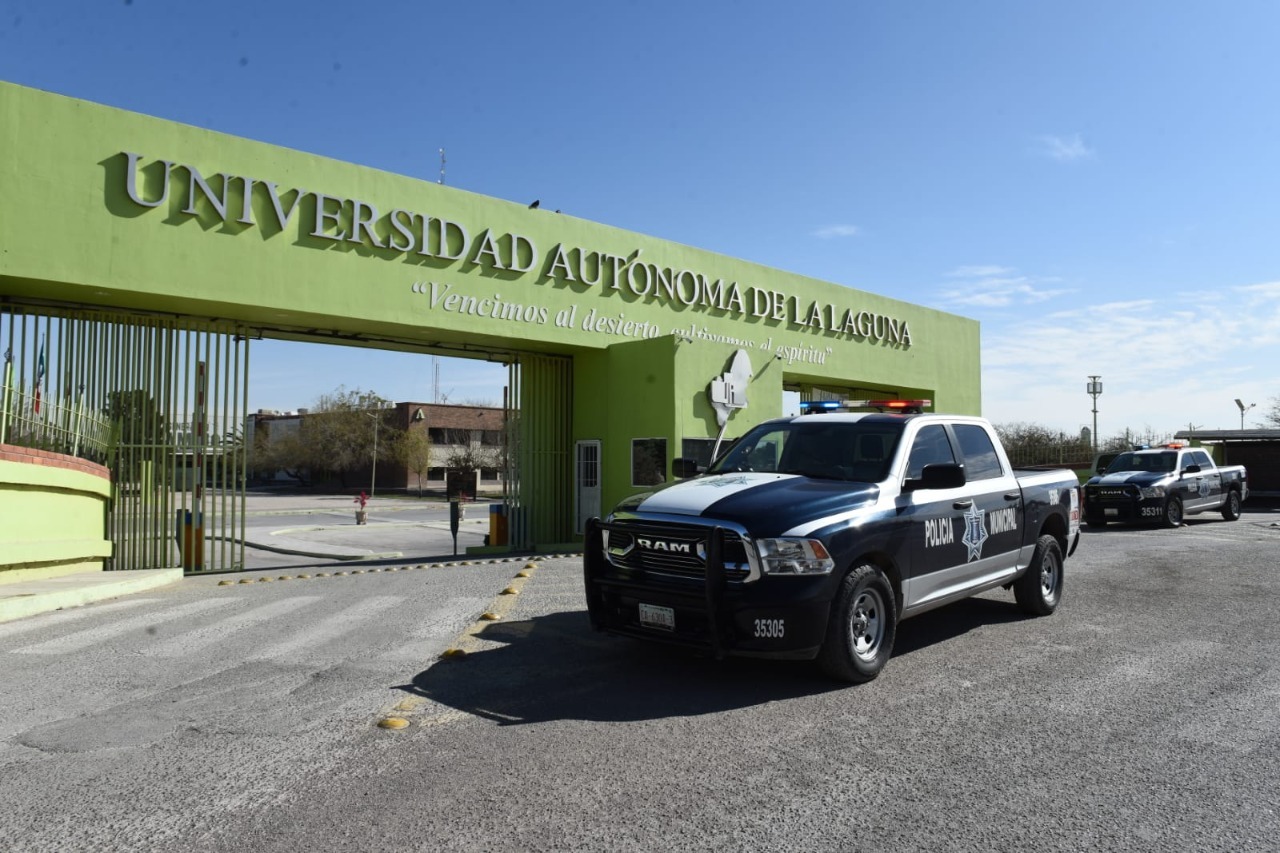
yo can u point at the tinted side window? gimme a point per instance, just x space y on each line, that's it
931 447
1199 457
980 459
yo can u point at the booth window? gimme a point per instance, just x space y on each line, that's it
699 449
648 461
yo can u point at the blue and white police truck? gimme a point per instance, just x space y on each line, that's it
812 536
1162 485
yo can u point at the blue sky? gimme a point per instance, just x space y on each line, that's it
1096 182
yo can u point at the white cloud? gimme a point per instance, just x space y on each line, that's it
1164 363
1064 148
979 271
992 286
837 231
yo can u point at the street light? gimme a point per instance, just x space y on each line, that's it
1243 409
1094 388
373 476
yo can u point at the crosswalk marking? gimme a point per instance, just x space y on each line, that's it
201 638
443 623
335 626
94 636
62 617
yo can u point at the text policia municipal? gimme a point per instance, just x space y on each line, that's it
409 233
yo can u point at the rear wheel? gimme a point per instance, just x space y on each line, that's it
1172 512
862 626
1231 506
1039 589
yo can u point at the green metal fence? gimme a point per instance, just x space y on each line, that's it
160 401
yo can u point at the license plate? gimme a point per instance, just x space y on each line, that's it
1111 512
652 616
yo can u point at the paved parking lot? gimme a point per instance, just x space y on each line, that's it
1143 715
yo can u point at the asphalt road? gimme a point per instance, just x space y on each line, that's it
1143 715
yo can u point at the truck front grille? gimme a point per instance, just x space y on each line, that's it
1113 493
676 552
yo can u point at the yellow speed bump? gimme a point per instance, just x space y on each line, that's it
511 590
453 654
490 617
523 574
393 723
225 583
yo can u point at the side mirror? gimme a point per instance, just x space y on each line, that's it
683 469
948 476
1191 469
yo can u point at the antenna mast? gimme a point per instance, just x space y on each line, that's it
441 181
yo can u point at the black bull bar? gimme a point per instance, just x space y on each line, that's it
597 569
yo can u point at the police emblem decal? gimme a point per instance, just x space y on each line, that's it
975 531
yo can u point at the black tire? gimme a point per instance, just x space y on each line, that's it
1039 590
1172 512
1231 506
863 623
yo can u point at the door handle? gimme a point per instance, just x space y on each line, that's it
962 504
1012 496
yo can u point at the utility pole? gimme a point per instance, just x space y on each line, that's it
1094 388
1243 409
373 476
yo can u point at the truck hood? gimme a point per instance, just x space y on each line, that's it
1137 478
766 504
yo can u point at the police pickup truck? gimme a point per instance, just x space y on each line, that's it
812 536
1161 485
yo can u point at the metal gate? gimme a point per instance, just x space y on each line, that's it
161 402
539 418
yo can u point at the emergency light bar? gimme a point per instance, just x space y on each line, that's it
904 407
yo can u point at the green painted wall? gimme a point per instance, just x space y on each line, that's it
107 207
51 518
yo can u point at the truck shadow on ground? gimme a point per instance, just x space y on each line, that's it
555 667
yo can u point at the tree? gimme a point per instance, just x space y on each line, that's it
338 435
414 451
463 463
138 428
1272 416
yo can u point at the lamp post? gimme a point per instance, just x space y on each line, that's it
1094 388
373 476
1243 409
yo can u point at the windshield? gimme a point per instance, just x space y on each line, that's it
829 450
1161 462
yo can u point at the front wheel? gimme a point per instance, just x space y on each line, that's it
1172 512
1039 589
862 626
1231 506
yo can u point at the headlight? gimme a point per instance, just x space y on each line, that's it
1153 492
794 557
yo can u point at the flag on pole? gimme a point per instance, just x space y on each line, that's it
39 374
8 394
